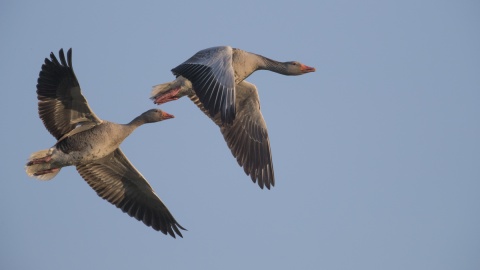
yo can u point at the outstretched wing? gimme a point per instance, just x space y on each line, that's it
61 105
212 76
116 180
247 137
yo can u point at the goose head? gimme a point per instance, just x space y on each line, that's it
155 115
297 68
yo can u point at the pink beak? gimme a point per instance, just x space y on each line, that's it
307 69
167 115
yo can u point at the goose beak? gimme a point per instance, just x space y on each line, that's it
307 69
167 115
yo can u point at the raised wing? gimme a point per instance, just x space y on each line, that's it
247 137
61 105
116 180
212 76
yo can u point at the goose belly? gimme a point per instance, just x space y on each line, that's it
86 147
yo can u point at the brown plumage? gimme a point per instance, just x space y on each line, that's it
92 146
214 79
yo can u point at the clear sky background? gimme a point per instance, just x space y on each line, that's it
376 155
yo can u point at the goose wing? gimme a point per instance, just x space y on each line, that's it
247 137
61 105
212 76
116 180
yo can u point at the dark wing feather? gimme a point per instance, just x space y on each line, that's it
247 137
212 76
61 105
116 180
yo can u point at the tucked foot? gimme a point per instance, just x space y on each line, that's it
171 95
53 170
45 159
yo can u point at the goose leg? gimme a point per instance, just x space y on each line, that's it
53 170
45 159
171 95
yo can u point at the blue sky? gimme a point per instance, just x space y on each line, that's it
376 154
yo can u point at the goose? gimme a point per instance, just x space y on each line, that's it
92 146
214 79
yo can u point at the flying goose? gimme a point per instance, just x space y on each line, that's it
92 146
214 79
